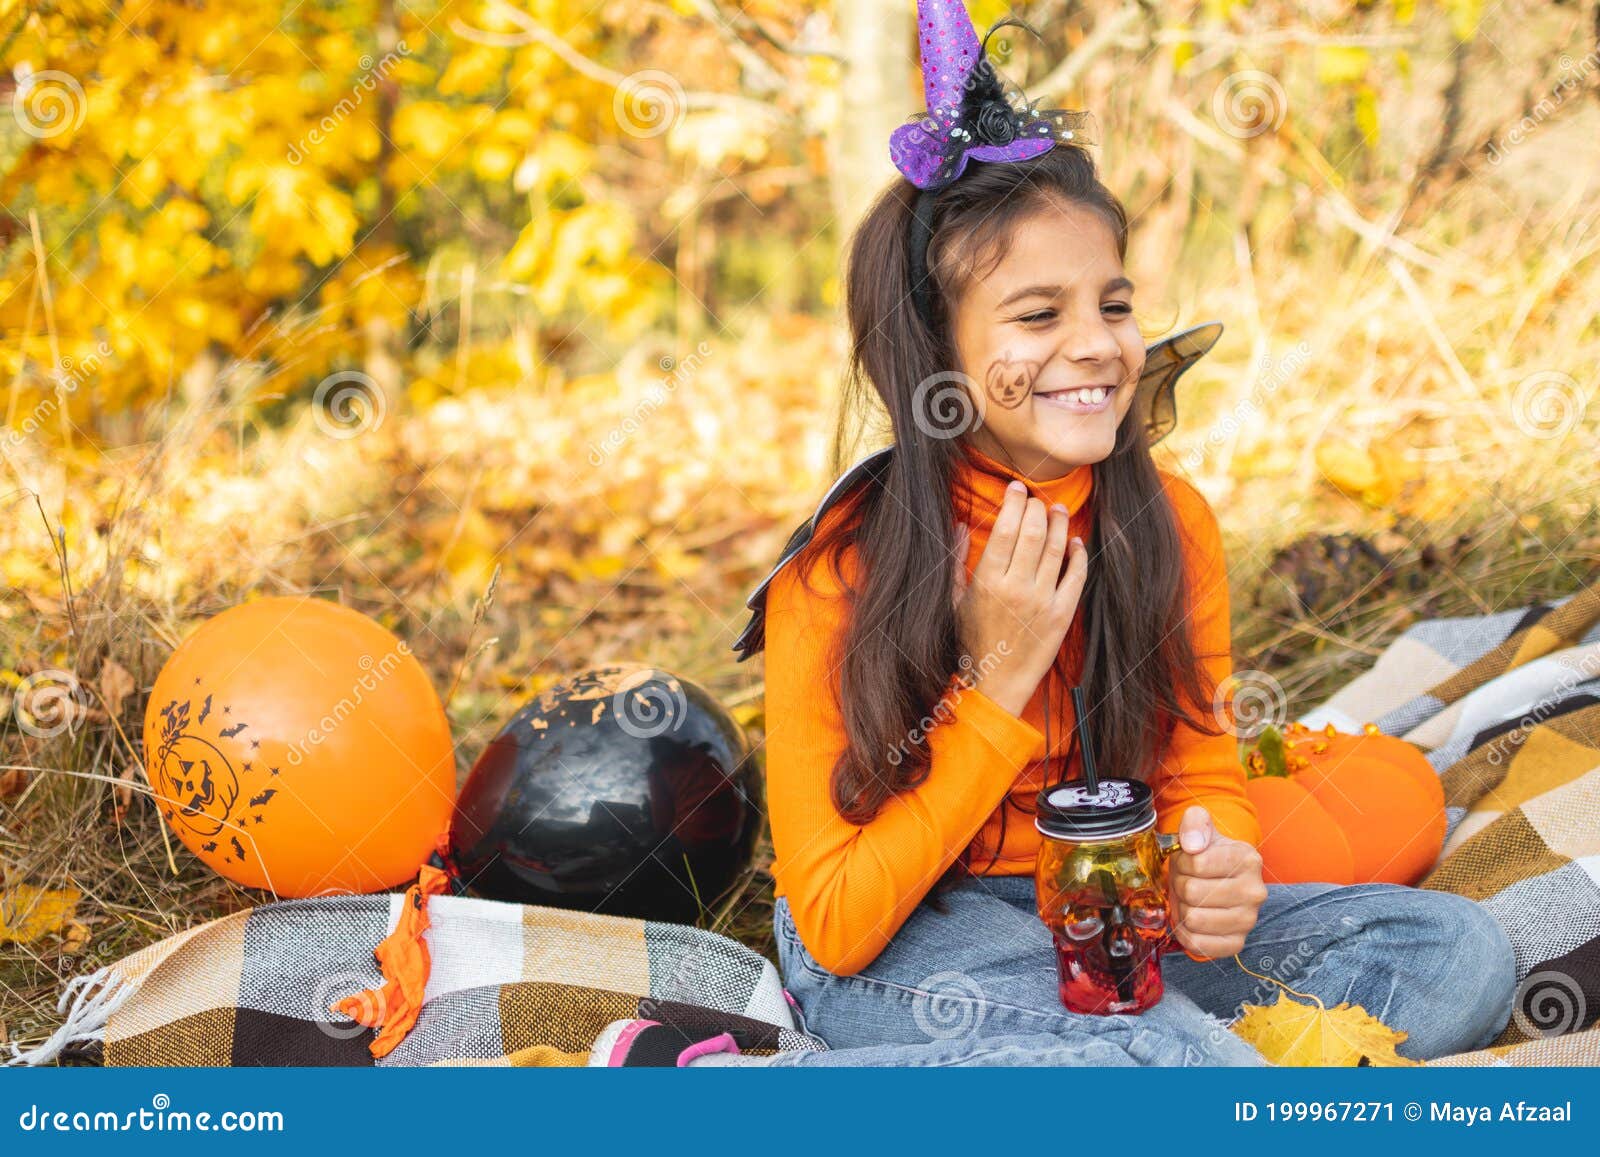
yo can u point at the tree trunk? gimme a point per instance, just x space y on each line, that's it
382 361
879 92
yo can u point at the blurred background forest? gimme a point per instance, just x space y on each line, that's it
385 300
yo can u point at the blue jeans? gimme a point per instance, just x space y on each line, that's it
976 984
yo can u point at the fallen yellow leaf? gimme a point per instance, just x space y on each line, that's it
1303 1035
75 938
28 912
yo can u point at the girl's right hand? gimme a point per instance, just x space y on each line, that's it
1018 596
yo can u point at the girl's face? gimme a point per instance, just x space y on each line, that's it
1048 335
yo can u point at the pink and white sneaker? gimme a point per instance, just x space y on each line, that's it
642 1043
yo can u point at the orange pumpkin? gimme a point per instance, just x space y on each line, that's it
1344 809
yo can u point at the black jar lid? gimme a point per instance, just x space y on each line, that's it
1121 807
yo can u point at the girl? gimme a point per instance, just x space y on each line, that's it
921 644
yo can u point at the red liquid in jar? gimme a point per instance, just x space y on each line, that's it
1108 956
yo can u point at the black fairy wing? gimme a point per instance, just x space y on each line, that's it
1164 364
753 638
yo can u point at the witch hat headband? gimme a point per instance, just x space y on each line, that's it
972 115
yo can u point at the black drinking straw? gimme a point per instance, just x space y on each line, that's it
1083 742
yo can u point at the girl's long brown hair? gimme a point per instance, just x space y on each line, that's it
1139 669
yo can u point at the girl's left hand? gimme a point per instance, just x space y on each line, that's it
1216 887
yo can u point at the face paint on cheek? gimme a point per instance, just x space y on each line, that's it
1009 382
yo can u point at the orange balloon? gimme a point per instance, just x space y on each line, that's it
296 745
1300 842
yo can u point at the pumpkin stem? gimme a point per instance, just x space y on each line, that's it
1274 980
1270 756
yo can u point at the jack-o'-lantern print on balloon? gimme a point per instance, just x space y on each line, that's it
192 774
296 745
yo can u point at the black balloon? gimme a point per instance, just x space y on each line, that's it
625 790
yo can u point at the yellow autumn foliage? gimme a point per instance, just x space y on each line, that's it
198 204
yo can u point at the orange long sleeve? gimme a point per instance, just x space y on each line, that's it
851 887
1197 768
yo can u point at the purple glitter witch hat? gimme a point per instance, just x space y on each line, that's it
969 115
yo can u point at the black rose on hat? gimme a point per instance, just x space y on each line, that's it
996 124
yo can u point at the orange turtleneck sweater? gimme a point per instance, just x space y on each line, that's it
851 887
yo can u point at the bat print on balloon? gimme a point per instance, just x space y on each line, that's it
1009 382
197 785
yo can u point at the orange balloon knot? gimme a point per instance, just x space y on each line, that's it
404 960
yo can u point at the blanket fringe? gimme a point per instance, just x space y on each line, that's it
86 1004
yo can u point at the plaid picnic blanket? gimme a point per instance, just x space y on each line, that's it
510 985
1507 705
1508 708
